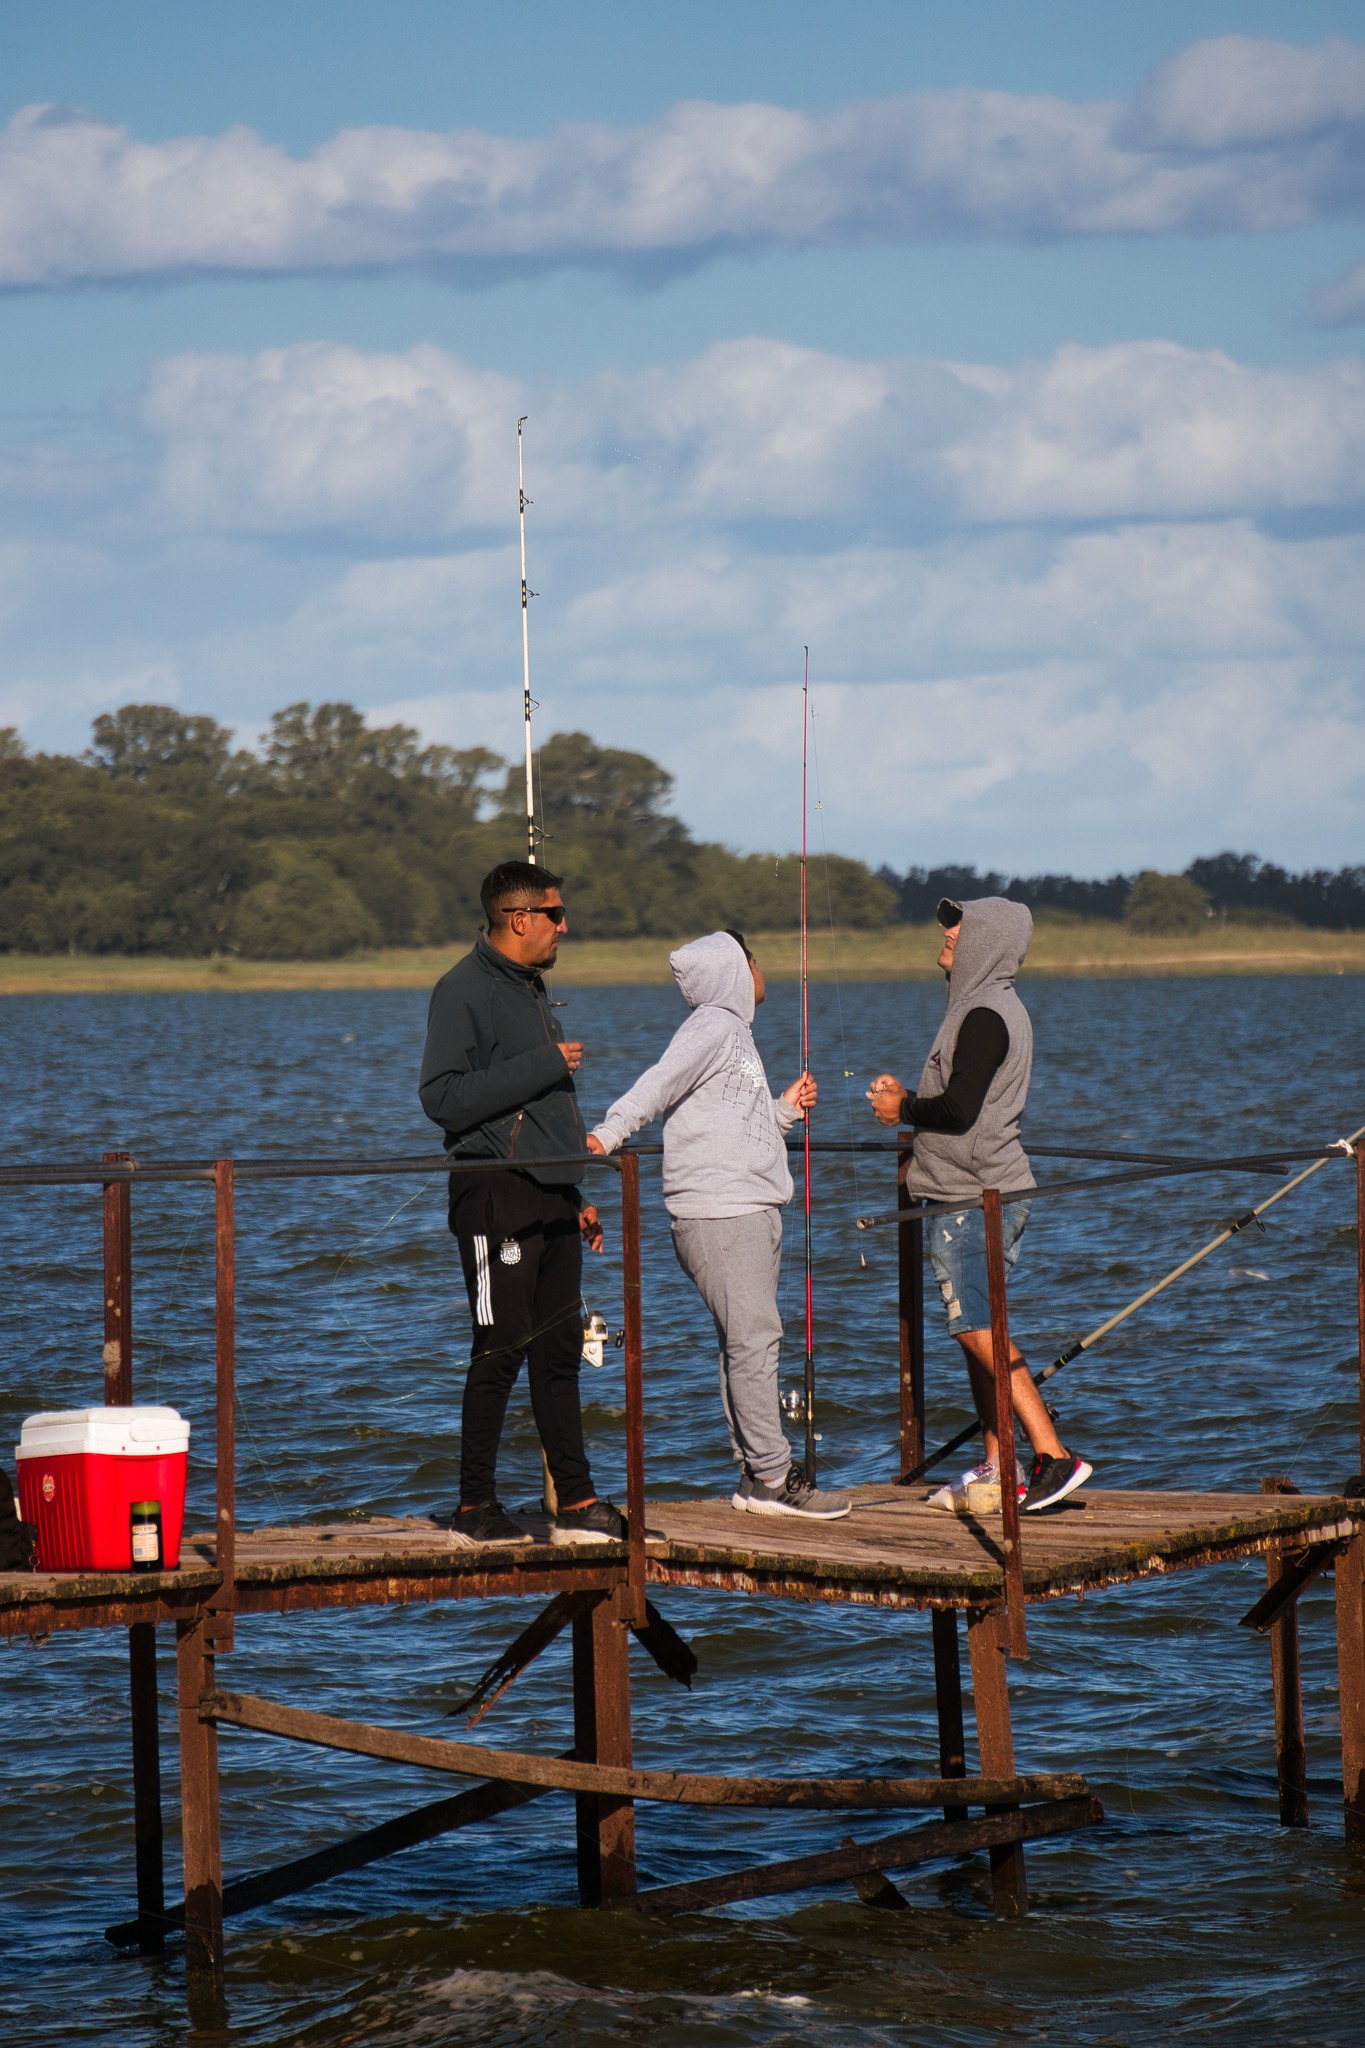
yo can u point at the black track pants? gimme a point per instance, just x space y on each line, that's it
523 1266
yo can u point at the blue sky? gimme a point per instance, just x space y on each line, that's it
1009 354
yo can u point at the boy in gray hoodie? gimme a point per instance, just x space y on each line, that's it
726 1180
966 1114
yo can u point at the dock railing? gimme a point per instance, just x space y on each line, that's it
118 1171
605 1792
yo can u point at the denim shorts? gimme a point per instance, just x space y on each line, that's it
957 1250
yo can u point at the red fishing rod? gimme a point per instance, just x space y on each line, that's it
805 1069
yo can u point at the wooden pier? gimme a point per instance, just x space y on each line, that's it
892 1552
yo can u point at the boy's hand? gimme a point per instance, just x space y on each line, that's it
596 1145
802 1094
886 1096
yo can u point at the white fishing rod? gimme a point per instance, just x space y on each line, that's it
526 595
1082 1344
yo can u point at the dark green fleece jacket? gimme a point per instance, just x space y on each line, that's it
492 1073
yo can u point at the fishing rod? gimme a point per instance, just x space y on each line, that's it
1083 1344
526 595
805 1069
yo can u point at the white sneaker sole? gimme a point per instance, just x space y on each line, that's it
775 1507
1077 1479
563 1536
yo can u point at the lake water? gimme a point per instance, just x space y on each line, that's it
1190 1916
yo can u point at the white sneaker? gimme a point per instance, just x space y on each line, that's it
975 1492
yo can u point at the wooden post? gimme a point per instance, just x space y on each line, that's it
147 1830
910 1285
952 1740
146 1740
1360 1293
1350 1570
118 1287
635 1388
225 1323
995 1742
199 1797
1291 1763
1015 1634
601 1700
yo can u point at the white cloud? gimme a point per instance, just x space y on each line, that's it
1102 609
1232 135
752 432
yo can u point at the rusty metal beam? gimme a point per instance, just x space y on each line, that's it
118 1286
686 1788
506 1669
302 1873
1015 1630
1001 1833
910 1318
995 1742
1293 1575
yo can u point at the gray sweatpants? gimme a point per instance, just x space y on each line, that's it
734 1261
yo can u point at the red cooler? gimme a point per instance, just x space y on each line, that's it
81 1469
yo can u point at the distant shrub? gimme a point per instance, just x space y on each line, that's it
1166 905
301 911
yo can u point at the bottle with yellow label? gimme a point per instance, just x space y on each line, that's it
145 1521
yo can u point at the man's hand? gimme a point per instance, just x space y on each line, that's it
591 1226
886 1095
596 1145
573 1054
802 1094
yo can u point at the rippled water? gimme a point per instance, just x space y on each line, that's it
1191 1915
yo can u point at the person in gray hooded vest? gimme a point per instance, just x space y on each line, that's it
966 1115
726 1180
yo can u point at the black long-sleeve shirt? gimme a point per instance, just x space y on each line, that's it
982 1043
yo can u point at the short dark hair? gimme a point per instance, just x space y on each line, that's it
738 938
513 885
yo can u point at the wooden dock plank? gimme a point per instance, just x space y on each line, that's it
893 1550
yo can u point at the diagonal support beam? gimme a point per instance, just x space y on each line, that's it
404 1831
675 1658
1299 1572
506 1669
892 1852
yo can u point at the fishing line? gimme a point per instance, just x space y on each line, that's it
200 1206
1083 1344
834 954
806 1114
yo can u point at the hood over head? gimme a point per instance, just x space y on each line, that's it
991 944
715 971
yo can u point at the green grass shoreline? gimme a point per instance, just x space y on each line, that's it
1061 946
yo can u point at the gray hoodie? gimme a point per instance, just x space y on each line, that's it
991 946
723 1128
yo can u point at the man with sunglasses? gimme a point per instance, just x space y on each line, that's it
966 1114
497 1076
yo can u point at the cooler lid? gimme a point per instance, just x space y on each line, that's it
113 1432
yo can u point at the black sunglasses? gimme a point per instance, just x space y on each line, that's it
558 913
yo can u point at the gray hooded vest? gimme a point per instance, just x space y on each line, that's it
991 946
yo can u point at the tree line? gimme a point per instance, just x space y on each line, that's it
1226 886
337 836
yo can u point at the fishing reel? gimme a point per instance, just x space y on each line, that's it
596 1337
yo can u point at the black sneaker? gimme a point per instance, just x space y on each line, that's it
1052 1479
600 1521
489 1523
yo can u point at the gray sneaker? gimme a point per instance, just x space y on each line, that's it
744 1492
795 1496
